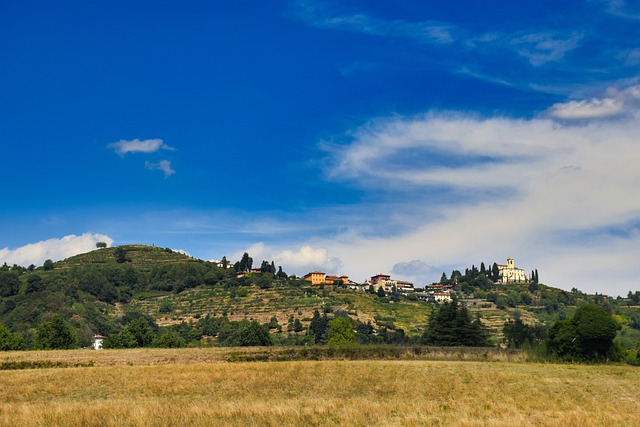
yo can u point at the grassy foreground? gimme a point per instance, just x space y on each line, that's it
141 388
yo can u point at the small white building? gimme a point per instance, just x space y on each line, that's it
97 342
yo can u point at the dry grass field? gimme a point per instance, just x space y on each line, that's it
194 387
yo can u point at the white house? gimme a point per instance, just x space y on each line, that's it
97 342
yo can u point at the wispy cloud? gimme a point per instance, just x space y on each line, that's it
162 165
123 147
54 249
540 48
622 8
317 15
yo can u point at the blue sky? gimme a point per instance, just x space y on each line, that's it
356 137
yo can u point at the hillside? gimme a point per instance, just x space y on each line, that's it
102 291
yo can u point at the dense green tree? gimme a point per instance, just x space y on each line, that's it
101 245
517 333
273 323
9 283
495 272
588 335
245 263
141 331
634 297
341 331
48 265
122 339
365 333
10 341
34 283
264 280
451 324
281 274
224 262
265 267
297 326
121 255
93 281
138 332
56 334
318 327
391 336
251 334
395 295
169 340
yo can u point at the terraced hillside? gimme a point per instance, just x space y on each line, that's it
99 291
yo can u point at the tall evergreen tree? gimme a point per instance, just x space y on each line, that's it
281 274
495 272
451 324
245 263
318 327
265 267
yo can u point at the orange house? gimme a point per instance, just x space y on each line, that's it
320 278
315 277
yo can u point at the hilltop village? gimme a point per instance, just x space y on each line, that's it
383 284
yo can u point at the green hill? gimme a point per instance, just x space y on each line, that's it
197 302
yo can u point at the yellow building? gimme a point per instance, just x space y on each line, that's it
315 277
320 278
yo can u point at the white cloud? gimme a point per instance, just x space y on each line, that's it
299 262
53 249
182 251
543 192
162 165
123 147
617 102
594 108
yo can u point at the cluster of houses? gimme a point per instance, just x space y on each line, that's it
435 292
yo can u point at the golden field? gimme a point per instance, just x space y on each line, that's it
196 387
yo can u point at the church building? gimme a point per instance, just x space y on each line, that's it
510 274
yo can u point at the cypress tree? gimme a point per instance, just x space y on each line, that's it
495 272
